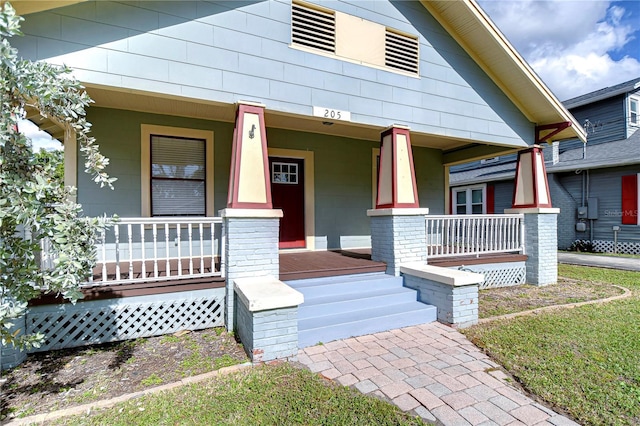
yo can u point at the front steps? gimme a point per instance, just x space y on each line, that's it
355 305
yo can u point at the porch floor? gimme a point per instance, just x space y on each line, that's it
318 264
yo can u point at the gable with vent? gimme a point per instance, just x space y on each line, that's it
352 38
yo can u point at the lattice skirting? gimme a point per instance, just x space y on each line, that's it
500 274
102 321
607 246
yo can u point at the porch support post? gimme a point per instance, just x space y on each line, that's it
532 198
398 225
398 236
250 249
249 182
70 160
396 179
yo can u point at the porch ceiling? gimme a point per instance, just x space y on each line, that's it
209 110
24 7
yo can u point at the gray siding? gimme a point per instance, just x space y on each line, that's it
564 200
606 186
503 195
230 51
607 122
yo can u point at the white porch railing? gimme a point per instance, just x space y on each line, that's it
155 249
457 235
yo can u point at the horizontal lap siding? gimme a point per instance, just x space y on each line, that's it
229 51
606 185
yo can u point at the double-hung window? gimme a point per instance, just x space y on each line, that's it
469 200
177 171
634 111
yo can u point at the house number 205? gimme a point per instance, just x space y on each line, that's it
331 114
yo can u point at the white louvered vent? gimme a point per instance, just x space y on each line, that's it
401 52
313 28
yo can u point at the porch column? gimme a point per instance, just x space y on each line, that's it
531 197
70 160
250 224
398 225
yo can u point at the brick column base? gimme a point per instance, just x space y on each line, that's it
398 236
540 244
250 248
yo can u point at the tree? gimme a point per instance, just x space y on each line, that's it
55 157
33 206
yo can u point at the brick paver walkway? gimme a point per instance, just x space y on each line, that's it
432 370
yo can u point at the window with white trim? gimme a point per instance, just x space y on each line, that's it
176 171
634 111
469 200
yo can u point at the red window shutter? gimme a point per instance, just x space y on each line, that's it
630 200
491 199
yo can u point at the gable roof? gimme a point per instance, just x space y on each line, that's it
471 27
478 35
607 92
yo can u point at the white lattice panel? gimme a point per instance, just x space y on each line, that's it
89 323
500 274
608 246
504 277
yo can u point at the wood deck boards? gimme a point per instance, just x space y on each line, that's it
317 264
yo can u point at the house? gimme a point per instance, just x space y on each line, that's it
271 140
594 185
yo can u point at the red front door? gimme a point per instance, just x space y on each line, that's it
287 193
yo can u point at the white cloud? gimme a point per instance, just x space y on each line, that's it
39 139
570 43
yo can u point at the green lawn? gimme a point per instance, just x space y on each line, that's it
267 395
584 360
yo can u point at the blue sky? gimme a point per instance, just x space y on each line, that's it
576 47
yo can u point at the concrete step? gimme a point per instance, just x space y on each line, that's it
355 305
350 285
340 326
341 303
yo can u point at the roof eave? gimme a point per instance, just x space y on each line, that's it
510 73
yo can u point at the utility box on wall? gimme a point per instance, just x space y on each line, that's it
581 226
582 212
592 210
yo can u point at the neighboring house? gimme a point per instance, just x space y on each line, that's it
594 185
221 117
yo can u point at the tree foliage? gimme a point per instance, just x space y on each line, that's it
34 207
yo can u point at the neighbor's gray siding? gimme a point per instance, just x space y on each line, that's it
503 196
230 51
606 118
606 186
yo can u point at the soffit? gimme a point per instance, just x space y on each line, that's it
24 7
469 25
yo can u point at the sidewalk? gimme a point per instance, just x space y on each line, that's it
625 263
432 370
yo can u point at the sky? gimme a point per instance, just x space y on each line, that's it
576 47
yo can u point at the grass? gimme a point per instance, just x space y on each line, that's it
272 394
584 360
